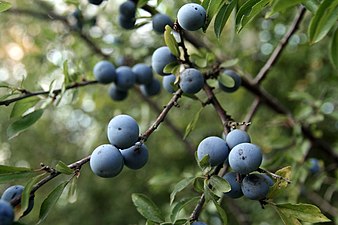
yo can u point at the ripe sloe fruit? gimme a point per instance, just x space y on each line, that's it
117 94
245 158
160 21
236 190
191 81
198 223
160 58
126 22
255 187
106 161
236 78
125 78
191 16
168 83
128 9
6 213
123 131
236 137
143 73
215 147
135 157
95 2
314 165
104 72
12 192
151 89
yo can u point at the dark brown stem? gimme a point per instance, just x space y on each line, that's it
251 113
162 115
54 93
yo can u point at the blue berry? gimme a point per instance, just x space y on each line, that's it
13 192
215 147
236 190
191 81
151 89
143 72
160 21
160 58
125 78
255 187
236 137
191 16
117 94
6 213
104 72
168 83
135 157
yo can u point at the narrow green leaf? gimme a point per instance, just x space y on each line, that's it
219 184
50 201
282 5
22 106
72 190
325 18
180 186
67 79
204 162
212 8
209 194
229 63
199 184
170 41
4 6
26 194
223 16
141 3
287 220
10 173
205 3
171 67
304 212
311 5
334 49
63 168
147 208
221 213
191 126
23 123
182 222
248 11
180 205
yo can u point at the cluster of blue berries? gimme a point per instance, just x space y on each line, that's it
123 78
7 214
108 160
244 159
127 12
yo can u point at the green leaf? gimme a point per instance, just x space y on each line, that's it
204 162
50 201
191 126
219 184
141 3
211 7
147 208
22 106
199 184
324 19
63 168
67 78
209 194
4 6
170 41
282 5
172 67
23 123
180 186
26 194
72 190
287 220
311 5
248 11
229 63
304 212
221 213
334 49
11 173
180 205
223 16
280 184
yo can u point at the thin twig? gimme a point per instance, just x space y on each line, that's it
251 113
54 93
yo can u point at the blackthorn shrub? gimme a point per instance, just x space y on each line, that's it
136 156
215 147
191 81
106 161
117 94
191 16
6 213
245 158
235 185
236 137
151 89
255 186
160 21
14 191
104 72
160 58
123 131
